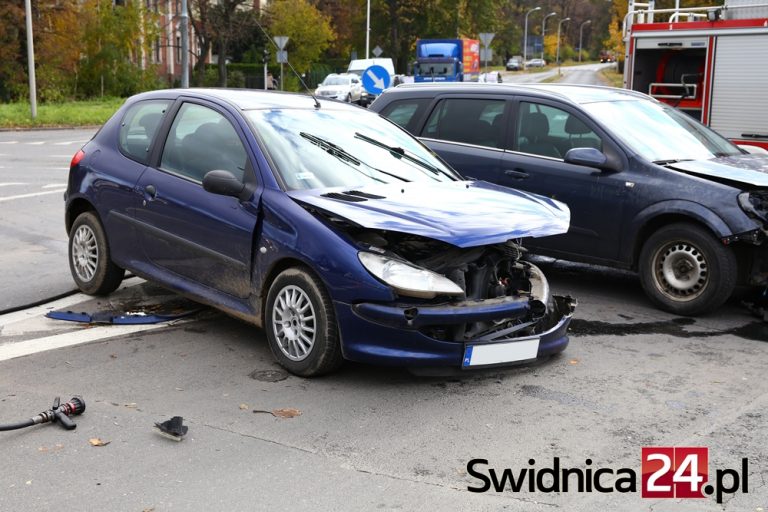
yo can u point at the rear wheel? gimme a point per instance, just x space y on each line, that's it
89 257
684 270
301 324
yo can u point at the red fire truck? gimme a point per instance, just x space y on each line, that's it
711 62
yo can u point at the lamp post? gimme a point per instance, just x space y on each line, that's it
581 32
367 29
525 36
559 26
544 31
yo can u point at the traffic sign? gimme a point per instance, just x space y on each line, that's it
377 51
282 56
486 38
281 41
376 79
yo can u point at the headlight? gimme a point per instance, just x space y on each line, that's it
408 279
755 204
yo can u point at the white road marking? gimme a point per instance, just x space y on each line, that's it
11 184
35 143
58 156
69 142
22 196
24 348
55 185
9 142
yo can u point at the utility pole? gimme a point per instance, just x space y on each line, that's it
544 31
525 37
31 60
184 45
581 33
559 26
368 30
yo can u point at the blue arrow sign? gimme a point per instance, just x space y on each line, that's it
376 79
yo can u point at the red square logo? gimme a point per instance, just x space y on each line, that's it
670 472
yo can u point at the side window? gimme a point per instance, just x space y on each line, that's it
139 125
472 121
406 113
202 140
549 131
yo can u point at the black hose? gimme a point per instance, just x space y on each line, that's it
16 426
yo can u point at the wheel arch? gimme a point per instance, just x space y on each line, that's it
663 214
77 207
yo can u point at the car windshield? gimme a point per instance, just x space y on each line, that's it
324 148
336 80
659 132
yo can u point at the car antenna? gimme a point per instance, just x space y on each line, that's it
266 34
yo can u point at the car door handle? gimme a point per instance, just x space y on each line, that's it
516 173
151 191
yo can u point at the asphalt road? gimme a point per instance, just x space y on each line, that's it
33 176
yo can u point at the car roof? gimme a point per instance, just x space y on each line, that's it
249 99
578 94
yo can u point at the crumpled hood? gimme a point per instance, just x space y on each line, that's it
748 169
462 213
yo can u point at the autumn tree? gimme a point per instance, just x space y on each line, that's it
12 75
309 31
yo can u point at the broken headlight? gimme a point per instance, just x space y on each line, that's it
755 204
407 279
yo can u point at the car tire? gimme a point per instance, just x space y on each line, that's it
89 257
305 344
684 270
349 98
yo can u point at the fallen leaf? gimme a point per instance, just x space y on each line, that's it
573 361
243 407
113 356
179 389
151 509
286 413
95 441
131 405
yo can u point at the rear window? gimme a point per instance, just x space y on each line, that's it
478 122
139 126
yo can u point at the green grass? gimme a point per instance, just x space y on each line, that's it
612 77
75 113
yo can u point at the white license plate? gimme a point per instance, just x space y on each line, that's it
496 353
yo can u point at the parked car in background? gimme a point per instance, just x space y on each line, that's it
359 66
344 87
535 63
335 230
514 64
650 188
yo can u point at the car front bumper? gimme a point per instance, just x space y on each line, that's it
396 334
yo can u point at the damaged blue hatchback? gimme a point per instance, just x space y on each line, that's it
332 228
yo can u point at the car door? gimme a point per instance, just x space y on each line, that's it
542 132
183 229
469 133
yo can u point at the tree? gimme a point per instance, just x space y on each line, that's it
12 45
309 30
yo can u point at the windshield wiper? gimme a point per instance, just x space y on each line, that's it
672 161
334 150
399 152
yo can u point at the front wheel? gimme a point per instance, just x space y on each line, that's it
301 324
684 270
89 257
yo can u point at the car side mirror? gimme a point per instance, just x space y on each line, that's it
223 183
589 157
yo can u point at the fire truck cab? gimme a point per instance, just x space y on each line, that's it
710 62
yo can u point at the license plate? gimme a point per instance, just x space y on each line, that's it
496 353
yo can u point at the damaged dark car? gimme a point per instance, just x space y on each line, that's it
330 227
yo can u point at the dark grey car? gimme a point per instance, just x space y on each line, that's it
650 189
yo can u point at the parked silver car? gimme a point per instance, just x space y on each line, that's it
344 87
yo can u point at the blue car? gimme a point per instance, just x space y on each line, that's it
329 226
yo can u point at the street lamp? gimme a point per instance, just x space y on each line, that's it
544 31
559 26
367 29
581 29
525 37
